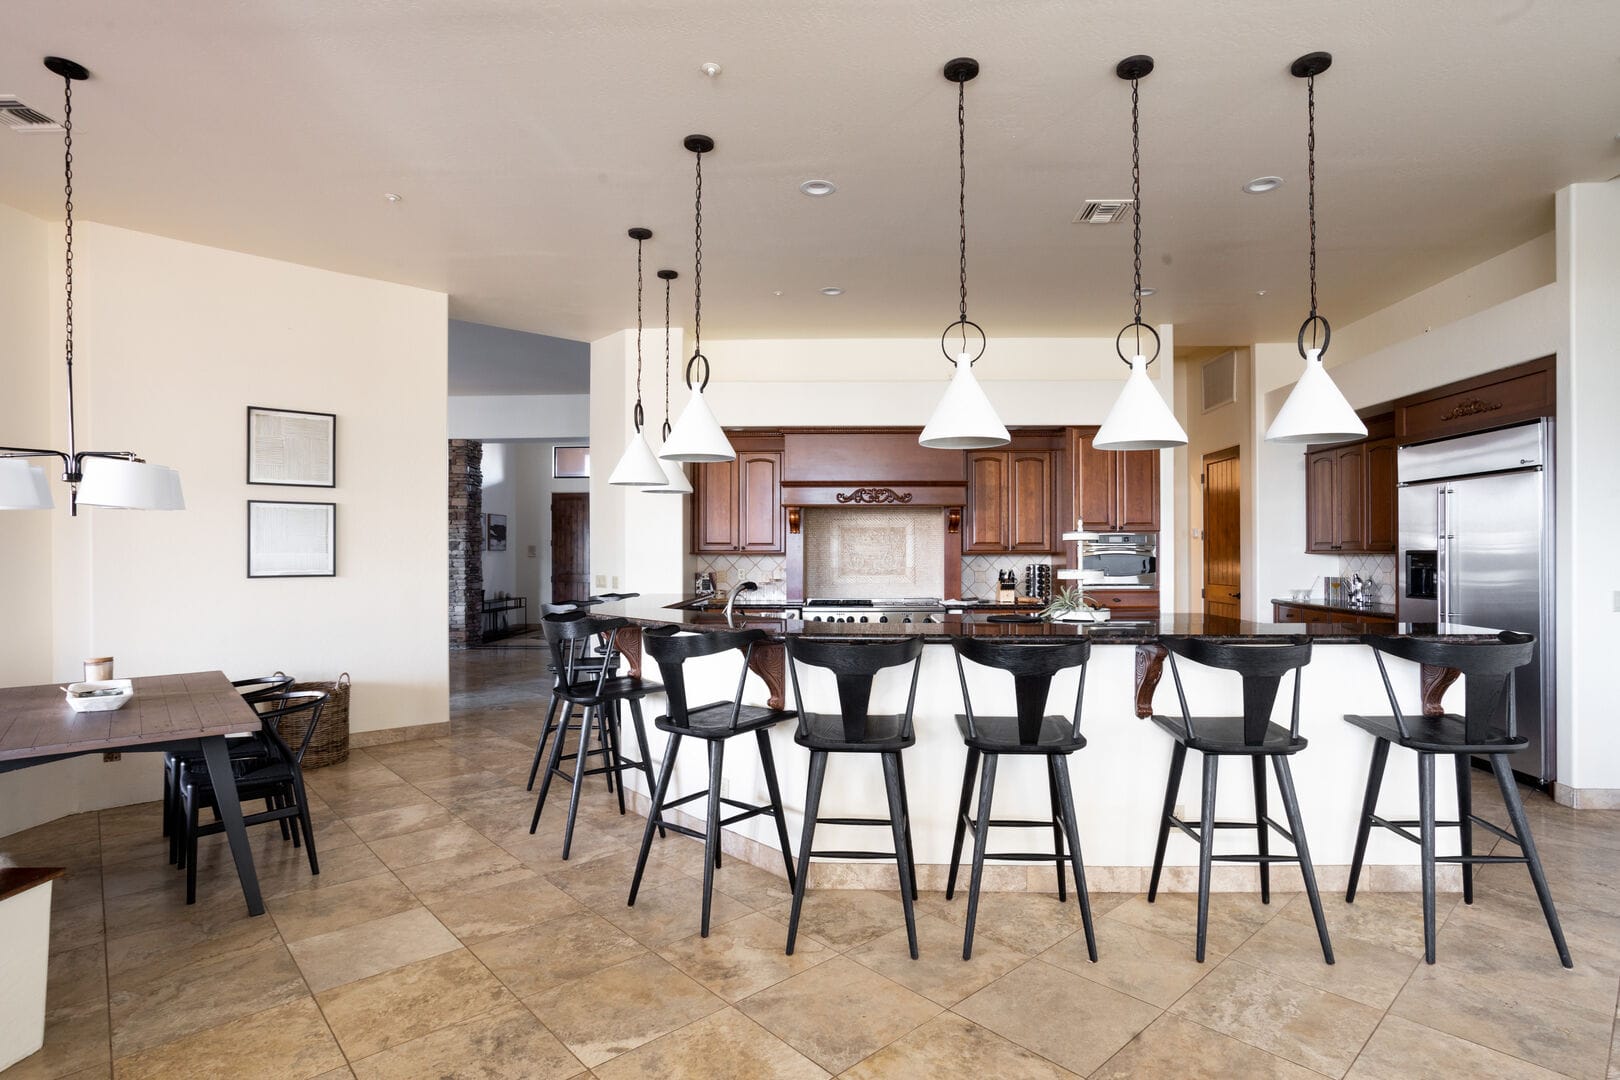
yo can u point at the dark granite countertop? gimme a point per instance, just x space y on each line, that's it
665 610
1382 611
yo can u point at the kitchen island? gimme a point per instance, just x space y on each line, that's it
1118 778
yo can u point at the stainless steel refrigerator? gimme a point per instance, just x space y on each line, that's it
1476 548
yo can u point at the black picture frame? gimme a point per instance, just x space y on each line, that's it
262 470
330 569
557 470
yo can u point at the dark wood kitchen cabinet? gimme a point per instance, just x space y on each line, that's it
737 505
1115 490
1010 502
1350 496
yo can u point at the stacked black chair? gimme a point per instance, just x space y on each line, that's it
1251 735
854 730
1030 732
587 664
1488 726
714 723
278 779
597 691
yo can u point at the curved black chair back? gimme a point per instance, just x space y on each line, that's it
855 665
263 687
1491 666
670 652
1261 664
304 705
568 633
1032 667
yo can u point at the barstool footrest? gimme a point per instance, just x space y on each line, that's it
853 854
1264 859
1192 830
1400 828
854 821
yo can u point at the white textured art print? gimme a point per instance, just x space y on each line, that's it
292 539
288 447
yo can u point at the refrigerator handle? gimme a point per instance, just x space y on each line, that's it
1443 559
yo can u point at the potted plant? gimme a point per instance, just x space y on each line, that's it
1071 605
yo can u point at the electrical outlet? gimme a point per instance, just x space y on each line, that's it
533 551
1180 812
112 755
615 581
725 789
601 580
1617 600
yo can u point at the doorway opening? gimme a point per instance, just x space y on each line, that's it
1223 533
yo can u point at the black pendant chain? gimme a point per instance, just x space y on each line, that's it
67 173
961 202
1310 184
697 262
666 357
640 414
1136 209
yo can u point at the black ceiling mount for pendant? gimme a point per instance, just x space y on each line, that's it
640 235
67 69
1308 67
1133 69
960 71
698 145
666 276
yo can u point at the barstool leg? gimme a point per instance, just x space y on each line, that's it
1426 835
1206 849
961 820
1465 822
540 747
812 806
981 838
905 815
1527 843
553 764
768 761
711 829
1296 825
1369 806
660 792
1060 773
1261 829
579 776
902 845
1178 758
646 758
604 739
1057 825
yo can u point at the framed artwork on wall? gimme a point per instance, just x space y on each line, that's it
495 532
570 462
291 539
291 447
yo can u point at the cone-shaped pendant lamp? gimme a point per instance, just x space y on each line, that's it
1140 418
1315 410
675 482
638 466
697 435
964 419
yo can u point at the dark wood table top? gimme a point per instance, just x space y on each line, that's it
36 721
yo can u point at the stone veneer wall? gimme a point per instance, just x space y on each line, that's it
466 543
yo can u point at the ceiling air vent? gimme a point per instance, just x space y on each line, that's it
14 114
1103 211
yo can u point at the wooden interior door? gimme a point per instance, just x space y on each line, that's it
1223 559
570 547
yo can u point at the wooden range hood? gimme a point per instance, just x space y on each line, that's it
869 467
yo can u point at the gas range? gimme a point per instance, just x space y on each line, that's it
908 609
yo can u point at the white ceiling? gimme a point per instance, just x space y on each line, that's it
491 360
526 136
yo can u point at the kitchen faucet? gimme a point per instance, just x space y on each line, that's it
746 586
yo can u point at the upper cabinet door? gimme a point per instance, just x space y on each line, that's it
1350 498
759 502
714 507
1321 519
1098 479
985 527
1137 498
1029 519
1381 495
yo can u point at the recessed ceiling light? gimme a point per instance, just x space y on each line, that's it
1259 292
1146 290
1262 184
817 188
832 290
710 68
391 197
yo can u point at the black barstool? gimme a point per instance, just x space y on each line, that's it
586 665
1488 726
1251 735
597 692
853 730
1031 731
714 723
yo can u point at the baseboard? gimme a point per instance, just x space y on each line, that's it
359 740
1586 798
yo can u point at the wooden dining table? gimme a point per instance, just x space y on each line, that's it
193 711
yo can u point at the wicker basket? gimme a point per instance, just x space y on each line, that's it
330 746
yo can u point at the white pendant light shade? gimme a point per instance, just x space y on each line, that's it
675 482
115 484
1315 410
964 419
23 486
1140 419
697 435
638 467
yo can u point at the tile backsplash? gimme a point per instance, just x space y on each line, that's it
769 572
874 552
1377 569
979 572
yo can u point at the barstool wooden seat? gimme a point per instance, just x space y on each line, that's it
714 723
1031 731
855 730
1252 735
1488 726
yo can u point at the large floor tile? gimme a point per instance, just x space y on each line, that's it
537 958
1133 961
462 875
1096 1021
1233 918
1401 1049
399 820
666 913
950 1045
838 1012
844 918
77 975
75 1044
499 909
508 1042
288 1042
386 1010
724 1045
411 849
939 973
616 1009
1029 922
202 995
743 957
314 912
370 948
1173 1047
1362 971
153 954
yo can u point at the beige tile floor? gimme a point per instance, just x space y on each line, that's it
440 939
